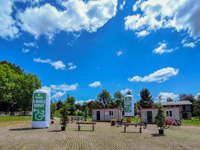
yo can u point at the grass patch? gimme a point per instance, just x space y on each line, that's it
134 119
194 121
4 120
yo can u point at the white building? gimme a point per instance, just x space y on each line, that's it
185 107
107 114
148 114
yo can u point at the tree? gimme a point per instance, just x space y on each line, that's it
79 107
169 99
16 87
160 117
118 99
71 101
105 98
25 85
53 109
59 104
146 100
64 115
197 107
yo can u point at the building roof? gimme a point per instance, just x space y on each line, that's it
176 103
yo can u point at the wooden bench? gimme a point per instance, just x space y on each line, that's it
86 123
133 124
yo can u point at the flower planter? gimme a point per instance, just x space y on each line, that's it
63 128
161 131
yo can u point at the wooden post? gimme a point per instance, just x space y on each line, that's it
140 130
124 128
79 127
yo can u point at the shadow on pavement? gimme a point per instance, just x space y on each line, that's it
20 129
156 134
55 131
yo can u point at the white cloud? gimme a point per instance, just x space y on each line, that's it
47 88
56 64
31 44
82 101
95 84
165 95
119 53
8 29
25 50
162 49
182 15
64 87
158 76
60 90
41 60
125 91
72 67
142 33
185 44
58 95
121 7
76 16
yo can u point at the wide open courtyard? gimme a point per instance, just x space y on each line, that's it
21 136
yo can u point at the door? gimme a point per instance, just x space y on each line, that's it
98 115
149 116
184 115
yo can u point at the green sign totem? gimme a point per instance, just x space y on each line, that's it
127 105
39 101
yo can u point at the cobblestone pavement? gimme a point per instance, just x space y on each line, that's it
21 136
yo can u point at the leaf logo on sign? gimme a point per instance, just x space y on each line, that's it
39 115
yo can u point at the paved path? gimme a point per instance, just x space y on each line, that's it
21 136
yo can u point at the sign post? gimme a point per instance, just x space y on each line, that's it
40 109
129 107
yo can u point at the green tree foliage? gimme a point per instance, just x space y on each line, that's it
105 98
59 104
53 110
16 87
71 102
64 111
79 107
160 117
197 107
118 100
146 100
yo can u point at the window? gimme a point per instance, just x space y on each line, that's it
110 113
170 113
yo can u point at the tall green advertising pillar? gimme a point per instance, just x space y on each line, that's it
129 106
41 108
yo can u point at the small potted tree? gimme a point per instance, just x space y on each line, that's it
64 117
160 119
52 111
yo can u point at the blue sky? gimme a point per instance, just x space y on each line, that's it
81 47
